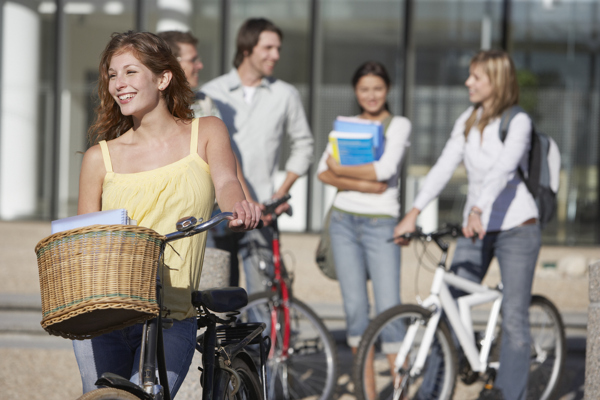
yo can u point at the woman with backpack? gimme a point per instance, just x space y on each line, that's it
500 217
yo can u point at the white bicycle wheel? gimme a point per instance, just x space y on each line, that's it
373 375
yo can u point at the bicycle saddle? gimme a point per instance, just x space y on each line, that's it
221 299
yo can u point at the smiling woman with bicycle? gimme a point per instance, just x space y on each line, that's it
151 158
500 215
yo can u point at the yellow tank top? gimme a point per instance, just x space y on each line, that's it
157 199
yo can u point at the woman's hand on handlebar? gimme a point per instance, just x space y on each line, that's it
408 224
246 216
474 228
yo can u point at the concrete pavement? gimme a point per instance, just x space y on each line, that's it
32 359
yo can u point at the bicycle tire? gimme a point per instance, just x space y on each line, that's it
436 381
548 349
548 337
108 394
310 370
250 387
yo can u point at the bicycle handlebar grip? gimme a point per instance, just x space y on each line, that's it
271 205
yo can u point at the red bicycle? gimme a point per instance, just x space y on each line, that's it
302 362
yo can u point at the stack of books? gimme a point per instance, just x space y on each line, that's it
108 217
356 141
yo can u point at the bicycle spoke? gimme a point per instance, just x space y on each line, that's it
309 369
375 375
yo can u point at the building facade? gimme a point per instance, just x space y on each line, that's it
49 54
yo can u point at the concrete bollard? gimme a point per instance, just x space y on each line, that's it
215 271
592 353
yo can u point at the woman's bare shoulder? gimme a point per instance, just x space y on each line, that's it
211 122
93 154
93 162
212 129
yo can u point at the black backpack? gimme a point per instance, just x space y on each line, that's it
544 167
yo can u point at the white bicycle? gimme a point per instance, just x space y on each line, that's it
407 352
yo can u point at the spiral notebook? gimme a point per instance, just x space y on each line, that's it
108 217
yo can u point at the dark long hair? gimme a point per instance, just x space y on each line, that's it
372 68
156 55
248 36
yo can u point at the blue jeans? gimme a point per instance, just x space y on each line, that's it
517 251
119 352
361 252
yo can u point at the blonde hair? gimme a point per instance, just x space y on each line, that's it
500 69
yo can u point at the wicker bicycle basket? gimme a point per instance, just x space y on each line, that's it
97 279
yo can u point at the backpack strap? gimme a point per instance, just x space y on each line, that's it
386 123
505 120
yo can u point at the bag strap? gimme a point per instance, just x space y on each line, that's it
386 123
507 117
505 120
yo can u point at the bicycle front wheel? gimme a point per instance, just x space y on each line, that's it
309 370
376 377
108 394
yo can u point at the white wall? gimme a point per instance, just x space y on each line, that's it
18 132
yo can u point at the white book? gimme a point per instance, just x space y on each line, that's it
357 120
108 217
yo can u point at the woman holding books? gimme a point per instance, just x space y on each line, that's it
153 159
366 207
500 214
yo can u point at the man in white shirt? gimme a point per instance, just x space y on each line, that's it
258 111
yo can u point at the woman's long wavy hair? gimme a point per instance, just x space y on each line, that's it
501 71
156 55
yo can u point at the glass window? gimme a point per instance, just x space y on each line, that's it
87 29
351 33
555 50
26 116
206 26
446 35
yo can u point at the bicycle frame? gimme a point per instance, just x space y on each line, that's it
458 314
152 358
279 287
227 352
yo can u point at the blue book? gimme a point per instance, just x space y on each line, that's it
352 148
108 217
359 125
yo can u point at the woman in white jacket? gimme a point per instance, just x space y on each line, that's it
500 215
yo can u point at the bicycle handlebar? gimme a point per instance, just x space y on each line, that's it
454 230
271 205
202 227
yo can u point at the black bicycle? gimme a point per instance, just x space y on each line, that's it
228 371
